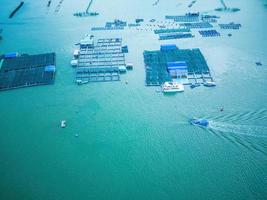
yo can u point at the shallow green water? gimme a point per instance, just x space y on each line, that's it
135 143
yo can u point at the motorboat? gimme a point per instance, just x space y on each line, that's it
171 87
122 69
80 82
87 41
199 122
76 53
209 84
129 66
74 62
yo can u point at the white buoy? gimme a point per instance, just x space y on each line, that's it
63 124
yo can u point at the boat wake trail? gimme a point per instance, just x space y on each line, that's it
251 137
243 117
246 130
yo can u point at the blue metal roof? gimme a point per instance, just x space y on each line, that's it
11 55
50 68
177 65
165 47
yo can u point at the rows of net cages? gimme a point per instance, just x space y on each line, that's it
156 64
100 62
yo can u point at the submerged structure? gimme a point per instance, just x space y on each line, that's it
100 61
171 63
17 71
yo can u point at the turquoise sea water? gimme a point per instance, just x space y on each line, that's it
135 143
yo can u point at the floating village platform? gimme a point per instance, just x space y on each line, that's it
17 71
156 65
100 62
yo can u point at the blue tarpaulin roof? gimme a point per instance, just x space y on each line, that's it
11 55
50 68
178 65
165 47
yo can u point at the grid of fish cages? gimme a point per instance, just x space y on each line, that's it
209 33
171 36
197 25
27 70
230 26
173 30
101 62
189 17
156 65
199 78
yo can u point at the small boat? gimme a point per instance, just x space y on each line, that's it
258 63
80 82
129 66
199 122
76 53
74 62
63 124
170 87
209 84
122 69
193 85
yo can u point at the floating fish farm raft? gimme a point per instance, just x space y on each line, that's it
86 13
100 62
170 36
197 25
175 30
27 70
230 26
156 65
209 33
116 25
209 18
189 17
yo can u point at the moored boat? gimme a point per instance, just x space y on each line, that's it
171 87
74 62
209 84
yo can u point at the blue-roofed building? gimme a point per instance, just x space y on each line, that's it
177 69
167 47
50 68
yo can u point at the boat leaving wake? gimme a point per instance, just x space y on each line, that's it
251 137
